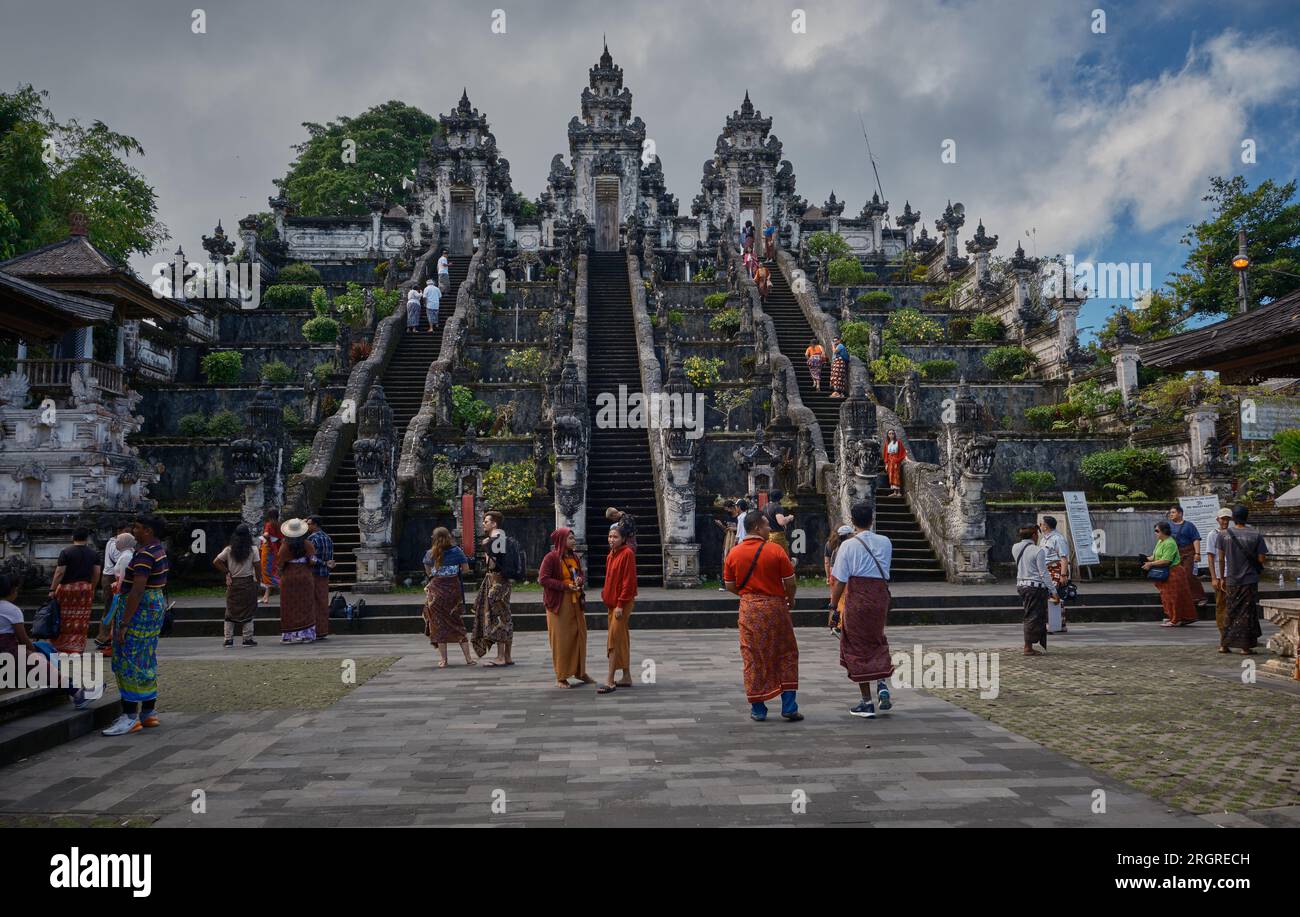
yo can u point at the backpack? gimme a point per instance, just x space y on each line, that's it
338 606
48 620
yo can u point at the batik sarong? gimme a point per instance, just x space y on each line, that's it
864 651
321 601
840 376
768 649
1175 600
1195 588
266 555
442 610
1242 631
297 604
492 621
135 649
76 603
1034 599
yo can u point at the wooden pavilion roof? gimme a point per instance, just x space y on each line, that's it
1261 344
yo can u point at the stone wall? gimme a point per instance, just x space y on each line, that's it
162 409
999 400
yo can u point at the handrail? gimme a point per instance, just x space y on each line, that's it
58 374
826 327
651 385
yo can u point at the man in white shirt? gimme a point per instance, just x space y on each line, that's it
1032 585
1216 558
743 507
444 272
1056 557
862 568
432 302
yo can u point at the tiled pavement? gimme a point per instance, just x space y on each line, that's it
418 746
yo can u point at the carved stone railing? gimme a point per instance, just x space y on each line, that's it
826 327
787 403
55 376
307 489
436 408
672 454
571 421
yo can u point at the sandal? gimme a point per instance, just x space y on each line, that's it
620 684
605 689
1224 649
563 684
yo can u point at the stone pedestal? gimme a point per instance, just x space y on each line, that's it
681 566
1126 371
1285 613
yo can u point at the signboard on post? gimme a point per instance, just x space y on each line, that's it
1200 512
1261 418
1076 513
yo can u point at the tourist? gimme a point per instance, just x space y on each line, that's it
320 574
76 575
1056 558
125 552
840 370
815 356
106 579
619 596
1246 553
776 521
268 550
747 235
860 579
444 273
765 582
1032 585
728 532
626 522
1188 539
444 596
1162 568
769 241
763 280
297 594
749 261
562 581
13 632
742 509
432 302
1216 559
413 306
828 561
894 454
493 622
135 634
237 563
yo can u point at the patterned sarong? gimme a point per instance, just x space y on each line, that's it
297 604
1175 599
864 651
1034 599
442 605
267 555
76 604
135 649
1242 631
1195 588
241 599
768 649
840 376
492 621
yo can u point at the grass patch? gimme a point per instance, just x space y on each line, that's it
224 685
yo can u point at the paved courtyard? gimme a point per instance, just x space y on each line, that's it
412 745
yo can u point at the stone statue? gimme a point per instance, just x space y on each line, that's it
823 274
14 389
846 308
85 389
908 403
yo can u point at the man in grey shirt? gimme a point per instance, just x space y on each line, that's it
1244 554
1032 585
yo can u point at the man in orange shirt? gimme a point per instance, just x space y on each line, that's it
763 576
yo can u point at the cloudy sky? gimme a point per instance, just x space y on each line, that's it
1102 143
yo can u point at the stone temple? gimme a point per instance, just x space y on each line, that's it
603 289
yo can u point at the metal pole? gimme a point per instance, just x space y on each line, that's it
1243 284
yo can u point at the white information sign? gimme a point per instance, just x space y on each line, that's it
1200 511
1076 513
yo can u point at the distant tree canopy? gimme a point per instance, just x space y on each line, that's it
390 140
49 170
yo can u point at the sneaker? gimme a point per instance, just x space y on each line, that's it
230 641
79 699
865 709
122 725
882 691
250 642
151 721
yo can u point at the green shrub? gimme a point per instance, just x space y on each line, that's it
676 318
298 461
193 425
726 322
498 299
919 273
1130 468
529 364
911 327
508 484
987 328
874 299
857 338
290 417
1042 417
206 492
442 482
1009 362
1288 446
223 367
938 370
830 243
386 302
706 274
321 372
225 425
891 369
703 371
276 371
287 296
468 411
869 277
846 271
715 301
959 328
1033 483
321 330
298 272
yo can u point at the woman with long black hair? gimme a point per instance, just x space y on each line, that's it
237 562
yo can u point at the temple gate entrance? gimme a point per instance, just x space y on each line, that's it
606 214
461 222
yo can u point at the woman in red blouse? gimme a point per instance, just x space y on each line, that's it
619 596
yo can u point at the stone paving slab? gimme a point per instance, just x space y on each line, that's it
421 746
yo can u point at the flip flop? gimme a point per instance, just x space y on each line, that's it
605 689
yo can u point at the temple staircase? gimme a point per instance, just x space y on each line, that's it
913 559
793 335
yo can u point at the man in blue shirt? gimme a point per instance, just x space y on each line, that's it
862 568
324 563
1188 540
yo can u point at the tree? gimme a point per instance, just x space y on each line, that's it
1207 285
49 170
388 142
